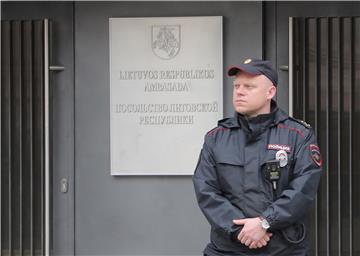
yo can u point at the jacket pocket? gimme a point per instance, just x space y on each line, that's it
230 171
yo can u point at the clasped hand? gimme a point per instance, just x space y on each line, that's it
252 234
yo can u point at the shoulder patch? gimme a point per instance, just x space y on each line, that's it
315 154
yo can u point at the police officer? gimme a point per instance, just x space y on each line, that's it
258 172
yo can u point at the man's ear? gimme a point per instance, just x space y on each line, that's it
271 92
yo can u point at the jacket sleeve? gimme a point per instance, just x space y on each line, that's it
217 209
295 201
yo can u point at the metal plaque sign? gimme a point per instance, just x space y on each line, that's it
165 92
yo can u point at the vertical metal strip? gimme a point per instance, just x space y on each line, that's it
1 206
304 66
46 139
1 132
10 147
339 127
15 228
291 66
31 157
352 79
328 79
27 136
8 128
317 75
305 84
1 203
5 132
316 112
20 155
16 121
38 138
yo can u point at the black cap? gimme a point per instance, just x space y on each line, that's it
256 67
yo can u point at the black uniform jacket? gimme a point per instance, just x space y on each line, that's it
230 181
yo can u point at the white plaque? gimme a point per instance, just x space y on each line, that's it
165 92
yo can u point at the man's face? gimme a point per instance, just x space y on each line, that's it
252 94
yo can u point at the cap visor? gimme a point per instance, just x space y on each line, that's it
244 68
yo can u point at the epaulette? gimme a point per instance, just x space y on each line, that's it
224 120
228 122
224 125
216 129
302 122
212 130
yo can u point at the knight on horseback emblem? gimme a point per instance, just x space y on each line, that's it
166 41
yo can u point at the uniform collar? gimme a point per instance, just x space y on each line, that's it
276 116
273 118
255 126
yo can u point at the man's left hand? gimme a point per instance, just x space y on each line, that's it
252 232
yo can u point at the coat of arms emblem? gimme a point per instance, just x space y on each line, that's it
165 41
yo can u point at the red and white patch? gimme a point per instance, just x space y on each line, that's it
315 154
287 148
